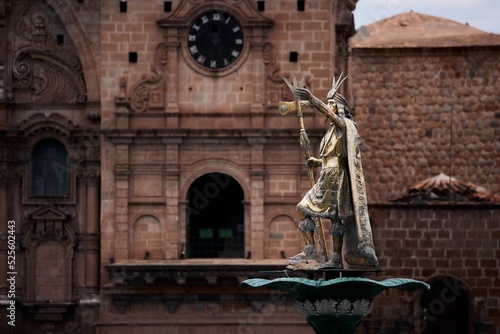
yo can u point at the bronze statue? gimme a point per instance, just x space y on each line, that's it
339 194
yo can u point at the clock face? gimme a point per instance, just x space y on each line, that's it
215 40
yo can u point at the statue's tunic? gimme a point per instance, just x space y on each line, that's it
331 197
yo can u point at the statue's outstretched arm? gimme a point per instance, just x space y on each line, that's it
324 109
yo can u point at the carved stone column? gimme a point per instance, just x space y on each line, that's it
92 230
81 208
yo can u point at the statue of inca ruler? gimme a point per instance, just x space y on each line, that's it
339 194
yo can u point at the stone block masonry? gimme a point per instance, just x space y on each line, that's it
421 112
428 242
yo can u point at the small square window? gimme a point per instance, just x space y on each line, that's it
123 6
132 57
167 6
261 6
301 5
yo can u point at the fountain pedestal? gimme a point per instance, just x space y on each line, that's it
336 305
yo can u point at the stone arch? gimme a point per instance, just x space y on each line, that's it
205 166
446 308
283 237
82 46
147 238
215 224
215 166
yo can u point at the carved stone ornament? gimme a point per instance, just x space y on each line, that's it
335 307
56 225
49 222
41 121
45 68
84 147
148 93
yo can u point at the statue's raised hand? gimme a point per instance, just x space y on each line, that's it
303 94
295 85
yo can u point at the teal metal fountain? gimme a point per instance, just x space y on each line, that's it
337 305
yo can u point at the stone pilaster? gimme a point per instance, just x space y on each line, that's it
257 186
81 208
92 230
172 80
259 77
172 232
122 177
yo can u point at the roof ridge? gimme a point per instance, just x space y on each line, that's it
412 29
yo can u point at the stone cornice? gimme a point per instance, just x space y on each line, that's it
114 134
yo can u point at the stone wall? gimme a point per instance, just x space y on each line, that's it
421 112
436 242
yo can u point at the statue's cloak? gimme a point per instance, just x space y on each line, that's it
358 240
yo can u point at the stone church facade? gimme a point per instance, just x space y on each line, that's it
148 176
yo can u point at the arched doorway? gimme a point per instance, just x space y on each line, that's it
215 218
446 307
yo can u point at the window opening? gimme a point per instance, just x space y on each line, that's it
215 218
50 170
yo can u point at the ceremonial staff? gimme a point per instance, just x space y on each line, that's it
285 108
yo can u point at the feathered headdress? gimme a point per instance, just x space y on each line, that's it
335 86
334 95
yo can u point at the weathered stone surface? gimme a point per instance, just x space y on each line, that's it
439 125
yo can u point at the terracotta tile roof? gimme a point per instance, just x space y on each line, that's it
442 188
419 30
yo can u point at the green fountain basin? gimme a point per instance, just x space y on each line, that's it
337 305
